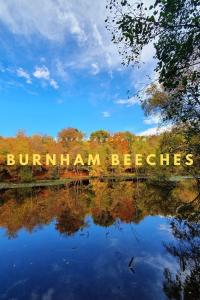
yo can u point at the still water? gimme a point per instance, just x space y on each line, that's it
100 240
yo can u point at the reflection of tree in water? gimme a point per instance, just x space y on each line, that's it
41 208
185 284
68 222
106 203
113 201
102 217
70 211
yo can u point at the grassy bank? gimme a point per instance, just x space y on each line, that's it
46 183
43 183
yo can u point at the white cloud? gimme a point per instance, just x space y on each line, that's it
147 53
63 23
95 68
41 73
24 74
154 119
61 70
54 84
61 20
44 73
106 114
155 130
74 26
128 102
51 19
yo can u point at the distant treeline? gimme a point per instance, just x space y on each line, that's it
71 141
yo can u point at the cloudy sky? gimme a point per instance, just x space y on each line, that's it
58 68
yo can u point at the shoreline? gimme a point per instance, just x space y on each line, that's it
57 182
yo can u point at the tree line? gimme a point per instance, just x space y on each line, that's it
71 141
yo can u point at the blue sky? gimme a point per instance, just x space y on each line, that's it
58 68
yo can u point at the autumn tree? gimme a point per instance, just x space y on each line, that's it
68 135
99 136
184 136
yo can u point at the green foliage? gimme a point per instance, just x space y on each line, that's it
173 26
55 173
25 174
99 135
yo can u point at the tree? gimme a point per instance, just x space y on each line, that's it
70 135
183 137
99 135
173 26
185 283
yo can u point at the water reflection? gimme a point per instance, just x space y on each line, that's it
185 283
116 240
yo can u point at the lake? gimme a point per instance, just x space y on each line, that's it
100 240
